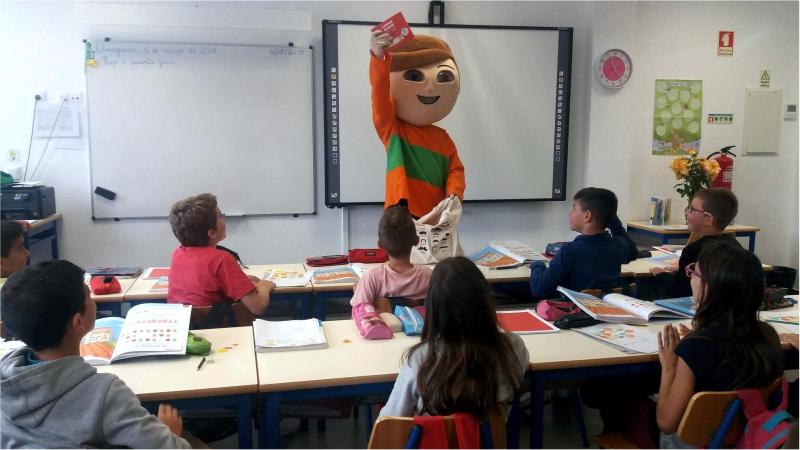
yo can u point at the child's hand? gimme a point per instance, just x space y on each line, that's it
25 225
791 339
379 42
667 342
253 278
169 416
267 285
683 330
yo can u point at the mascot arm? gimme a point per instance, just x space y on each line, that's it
383 114
455 177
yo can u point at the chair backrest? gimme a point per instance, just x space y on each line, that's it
393 432
242 317
706 412
599 292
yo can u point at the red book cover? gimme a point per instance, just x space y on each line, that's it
156 273
398 28
523 322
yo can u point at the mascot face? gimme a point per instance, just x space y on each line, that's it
425 95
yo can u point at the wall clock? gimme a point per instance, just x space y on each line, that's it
613 68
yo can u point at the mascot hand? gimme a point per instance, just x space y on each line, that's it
379 42
452 196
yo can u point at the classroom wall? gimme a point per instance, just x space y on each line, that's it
609 135
678 40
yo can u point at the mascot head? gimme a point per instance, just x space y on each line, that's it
424 80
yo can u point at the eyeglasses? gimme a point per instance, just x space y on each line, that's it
692 209
690 272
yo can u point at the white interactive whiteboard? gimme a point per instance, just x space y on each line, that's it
167 121
510 124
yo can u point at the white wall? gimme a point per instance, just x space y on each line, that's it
678 40
42 48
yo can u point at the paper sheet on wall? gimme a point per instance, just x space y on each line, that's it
677 116
68 120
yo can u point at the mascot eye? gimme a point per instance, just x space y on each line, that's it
414 75
445 76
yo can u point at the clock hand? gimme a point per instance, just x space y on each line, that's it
614 67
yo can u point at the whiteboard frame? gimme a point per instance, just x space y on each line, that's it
313 211
329 55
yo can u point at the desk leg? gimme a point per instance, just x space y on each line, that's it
664 239
752 246
245 422
269 430
305 306
537 410
512 427
321 305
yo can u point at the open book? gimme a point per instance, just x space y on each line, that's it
618 308
335 275
506 255
287 278
665 260
683 305
149 329
288 335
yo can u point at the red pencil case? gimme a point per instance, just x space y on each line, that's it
330 260
367 255
105 285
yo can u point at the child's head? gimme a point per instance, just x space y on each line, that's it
197 221
461 323
13 254
592 209
712 210
728 286
397 233
47 303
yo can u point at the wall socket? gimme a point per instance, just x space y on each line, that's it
74 97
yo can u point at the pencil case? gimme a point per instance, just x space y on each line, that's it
105 285
410 318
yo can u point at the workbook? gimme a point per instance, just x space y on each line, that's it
524 322
626 339
506 255
665 260
361 268
288 335
160 286
287 278
149 329
98 271
672 249
335 275
154 273
620 308
683 305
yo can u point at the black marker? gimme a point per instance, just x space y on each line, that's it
201 363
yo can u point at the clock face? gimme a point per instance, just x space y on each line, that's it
613 68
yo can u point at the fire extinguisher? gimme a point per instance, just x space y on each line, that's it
725 177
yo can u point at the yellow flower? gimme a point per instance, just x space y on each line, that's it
692 152
712 169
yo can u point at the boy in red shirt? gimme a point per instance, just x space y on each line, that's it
199 273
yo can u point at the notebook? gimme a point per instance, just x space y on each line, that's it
154 273
620 308
287 278
149 329
335 275
506 255
626 339
97 271
288 335
524 322
162 285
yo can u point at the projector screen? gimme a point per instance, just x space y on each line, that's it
510 124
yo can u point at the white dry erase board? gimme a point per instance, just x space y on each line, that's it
510 124
168 121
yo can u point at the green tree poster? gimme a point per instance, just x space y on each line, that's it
677 116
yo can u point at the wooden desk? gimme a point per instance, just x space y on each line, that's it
569 355
343 369
641 268
113 302
140 291
229 382
680 231
42 230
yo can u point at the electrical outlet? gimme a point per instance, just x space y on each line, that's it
74 97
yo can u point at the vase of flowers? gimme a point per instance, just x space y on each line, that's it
695 173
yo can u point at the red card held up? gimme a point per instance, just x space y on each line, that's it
398 28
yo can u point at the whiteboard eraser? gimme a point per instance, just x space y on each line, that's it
105 193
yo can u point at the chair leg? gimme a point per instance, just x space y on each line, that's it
577 411
368 420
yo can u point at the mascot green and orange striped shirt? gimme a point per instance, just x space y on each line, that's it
412 88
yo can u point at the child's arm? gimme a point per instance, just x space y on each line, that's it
403 400
545 280
677 382
622 239
365 290
127 424
257 300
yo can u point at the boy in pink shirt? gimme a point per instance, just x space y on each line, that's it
399 278
200 274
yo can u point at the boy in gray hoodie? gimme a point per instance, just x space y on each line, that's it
50 397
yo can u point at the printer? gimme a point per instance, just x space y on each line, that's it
27 202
